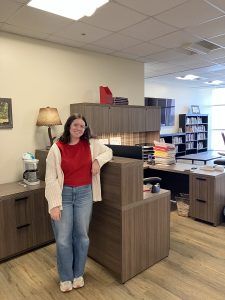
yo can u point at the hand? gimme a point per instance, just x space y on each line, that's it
55 213
95 167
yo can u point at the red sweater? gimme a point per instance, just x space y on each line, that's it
76 163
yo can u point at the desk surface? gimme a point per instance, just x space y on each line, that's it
202 156
184 169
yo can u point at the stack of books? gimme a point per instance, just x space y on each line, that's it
164 153
120 101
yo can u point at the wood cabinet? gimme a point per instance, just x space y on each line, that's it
118 119
97 116
207 197
206 189
129 231
196 128
167 109
152 118
24 219
104 118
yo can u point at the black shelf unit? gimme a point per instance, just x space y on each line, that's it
195 127
178 139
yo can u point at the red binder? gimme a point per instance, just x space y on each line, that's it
105 95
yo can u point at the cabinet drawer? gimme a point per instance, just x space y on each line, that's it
201 210
201 196
15 225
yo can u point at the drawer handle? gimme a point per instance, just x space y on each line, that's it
200 200
20 199
23 226
199 178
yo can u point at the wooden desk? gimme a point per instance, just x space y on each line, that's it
203 156
129 231
206 188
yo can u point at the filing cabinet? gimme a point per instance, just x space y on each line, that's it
207 197
24 219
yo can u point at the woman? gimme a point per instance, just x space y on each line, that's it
72 184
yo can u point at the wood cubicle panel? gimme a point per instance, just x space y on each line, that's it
122 181
41 155
128 232
145 231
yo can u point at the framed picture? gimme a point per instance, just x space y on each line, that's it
195 109
6 113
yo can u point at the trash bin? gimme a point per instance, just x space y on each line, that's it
183 204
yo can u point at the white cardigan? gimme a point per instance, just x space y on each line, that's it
54 177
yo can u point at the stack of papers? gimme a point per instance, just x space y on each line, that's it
164 153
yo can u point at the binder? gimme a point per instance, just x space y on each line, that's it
105 95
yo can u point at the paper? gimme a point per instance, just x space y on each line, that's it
115 140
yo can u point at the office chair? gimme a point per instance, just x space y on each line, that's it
154 181
221 161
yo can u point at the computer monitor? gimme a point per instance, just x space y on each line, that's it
127 151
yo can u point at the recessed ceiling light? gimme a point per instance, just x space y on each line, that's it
188 77
72 9
214 82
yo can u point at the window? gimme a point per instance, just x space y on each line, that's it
218 119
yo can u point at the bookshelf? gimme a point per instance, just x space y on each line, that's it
195 127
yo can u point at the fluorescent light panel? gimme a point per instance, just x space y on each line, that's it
72 9
214 82
188 77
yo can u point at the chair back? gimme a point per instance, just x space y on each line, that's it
223 136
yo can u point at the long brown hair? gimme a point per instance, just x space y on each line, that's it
65 137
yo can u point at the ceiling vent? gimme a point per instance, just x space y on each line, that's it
200 47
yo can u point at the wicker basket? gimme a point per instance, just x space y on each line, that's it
183 205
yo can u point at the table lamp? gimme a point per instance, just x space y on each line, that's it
48 116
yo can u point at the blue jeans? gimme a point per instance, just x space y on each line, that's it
71 231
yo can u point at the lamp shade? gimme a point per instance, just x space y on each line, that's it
48 116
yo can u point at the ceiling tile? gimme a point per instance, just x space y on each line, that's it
21 1
124 55
220 60
36 19
150 7
80 31
175 39
97 49
168 55
219 40
148 30
143 49
117 42
123 17
65 41
24 31
218 3
209 29
218 53
7 8
190 13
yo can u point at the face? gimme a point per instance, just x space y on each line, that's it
77 128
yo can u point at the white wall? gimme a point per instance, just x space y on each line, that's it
184 98
38 74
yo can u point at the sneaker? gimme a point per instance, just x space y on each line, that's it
65 286
78 282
